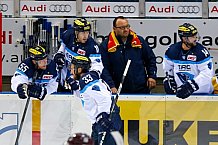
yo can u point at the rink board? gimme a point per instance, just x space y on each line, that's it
165 119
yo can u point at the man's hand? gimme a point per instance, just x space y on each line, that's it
22 91
36 91
59 59
185 90
114 90
151 83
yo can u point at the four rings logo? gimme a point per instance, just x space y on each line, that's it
124 9
3 7
188 9
60 8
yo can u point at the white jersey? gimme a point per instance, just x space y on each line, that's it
95 95
70 48
195 64
26 71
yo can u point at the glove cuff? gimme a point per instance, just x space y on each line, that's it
193 84
101 115
43 93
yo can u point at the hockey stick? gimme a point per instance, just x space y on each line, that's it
117 96
212 48
25 110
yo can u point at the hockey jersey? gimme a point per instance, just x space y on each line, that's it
195 64
26 71
71 48
95 95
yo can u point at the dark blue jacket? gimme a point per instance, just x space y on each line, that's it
142 67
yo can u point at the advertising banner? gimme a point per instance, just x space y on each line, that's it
167 120
48 8
213 9
173 9
110 9
7 7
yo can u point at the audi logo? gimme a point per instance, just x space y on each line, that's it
124 9
3 7
188 9
59 8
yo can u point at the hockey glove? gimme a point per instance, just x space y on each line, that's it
22 91
36 91
169 85
73 84
103 122
116 119
185 90
59 59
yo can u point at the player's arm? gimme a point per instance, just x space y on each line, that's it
52 86
96 64
19 77
206 72
169 82
20 82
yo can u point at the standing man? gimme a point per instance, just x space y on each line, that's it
77 41
35 76
123 44
188 65
97 100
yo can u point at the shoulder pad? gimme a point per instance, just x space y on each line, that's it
201 52
88 79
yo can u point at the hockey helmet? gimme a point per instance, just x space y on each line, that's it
187 30
81 25
79 139
37 53
81 62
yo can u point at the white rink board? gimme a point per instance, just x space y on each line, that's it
61 115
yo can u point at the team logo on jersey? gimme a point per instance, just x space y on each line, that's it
47 77
184 67
81 52
192 57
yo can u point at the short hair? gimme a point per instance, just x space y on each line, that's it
115 20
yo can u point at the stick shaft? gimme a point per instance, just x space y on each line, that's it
117 96
25 111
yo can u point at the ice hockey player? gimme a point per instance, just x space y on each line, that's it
97 99
35 76
76 41
188 65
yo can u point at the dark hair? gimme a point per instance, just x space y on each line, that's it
115 20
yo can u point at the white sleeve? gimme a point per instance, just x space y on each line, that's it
206 73
96 64
17 79
102 97
62 48
52 86
168 66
